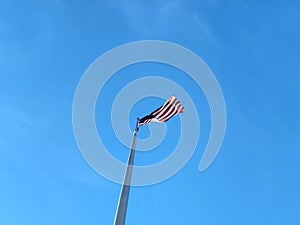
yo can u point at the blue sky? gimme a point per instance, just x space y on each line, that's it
251 46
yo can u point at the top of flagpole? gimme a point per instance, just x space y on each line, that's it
136 126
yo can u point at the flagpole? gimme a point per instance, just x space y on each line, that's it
124 194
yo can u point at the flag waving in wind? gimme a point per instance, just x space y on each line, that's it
171 107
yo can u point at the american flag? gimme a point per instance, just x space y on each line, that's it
171 107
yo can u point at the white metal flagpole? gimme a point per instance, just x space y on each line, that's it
124 194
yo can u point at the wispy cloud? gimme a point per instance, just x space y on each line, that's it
17 123
164 16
